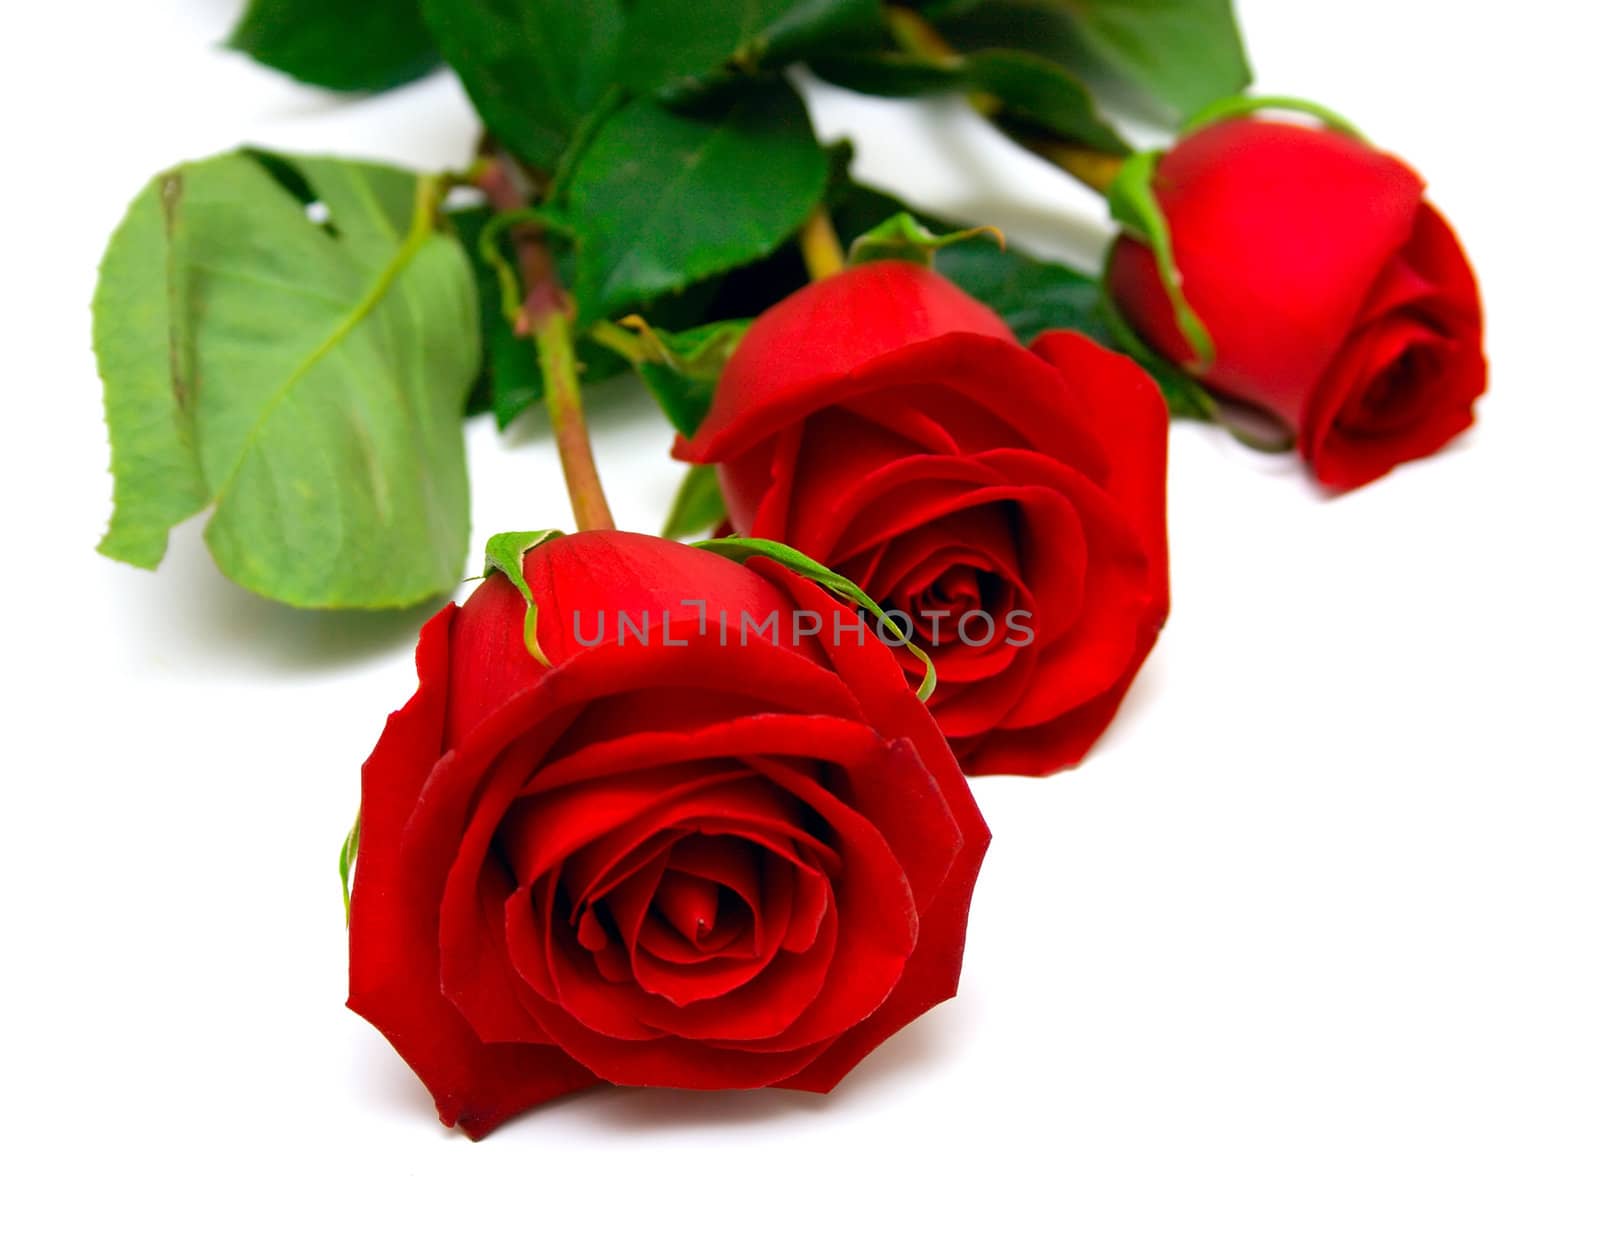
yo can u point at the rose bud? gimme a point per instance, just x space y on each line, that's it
1337 299
1009 503
713 844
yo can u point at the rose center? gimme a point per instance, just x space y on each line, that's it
959 592
1391 400
689 904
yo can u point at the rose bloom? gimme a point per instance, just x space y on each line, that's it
685 861
1010 503
1338 299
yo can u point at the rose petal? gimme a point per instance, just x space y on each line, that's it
394 923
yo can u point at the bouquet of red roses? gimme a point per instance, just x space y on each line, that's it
691 810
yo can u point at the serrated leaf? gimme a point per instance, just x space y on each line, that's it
146 368
903 237
699 505
343 45
1028 88
504 553
1036 91
1184 52
1181 53
667 42
663 198
534 69
1030 295
315 378
893 74
743 549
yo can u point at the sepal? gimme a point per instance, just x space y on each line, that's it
699 505
743 549
347 863
504 553
1247 105
903 237
1133 204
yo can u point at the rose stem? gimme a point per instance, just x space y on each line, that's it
547 319
1095 169
819 245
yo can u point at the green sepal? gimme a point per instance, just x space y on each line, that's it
1245 105
903 237
1185 396
699 506
679 368
347 863
504 553
742 549
1133 204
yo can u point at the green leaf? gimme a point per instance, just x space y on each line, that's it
661 199
1181 53
344 45
534 68
903 237
504 553
699 506
347 863
1184 52
1132 201
896 75
146 364
667 41
1030 295
314 377
743 549
1030 88
1034 90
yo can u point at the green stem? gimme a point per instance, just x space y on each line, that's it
546 317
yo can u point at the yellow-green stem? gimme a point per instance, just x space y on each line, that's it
550 321
819 245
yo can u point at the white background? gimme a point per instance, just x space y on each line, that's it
1308 952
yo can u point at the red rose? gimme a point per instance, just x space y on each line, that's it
1337 298
689 860
890 426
